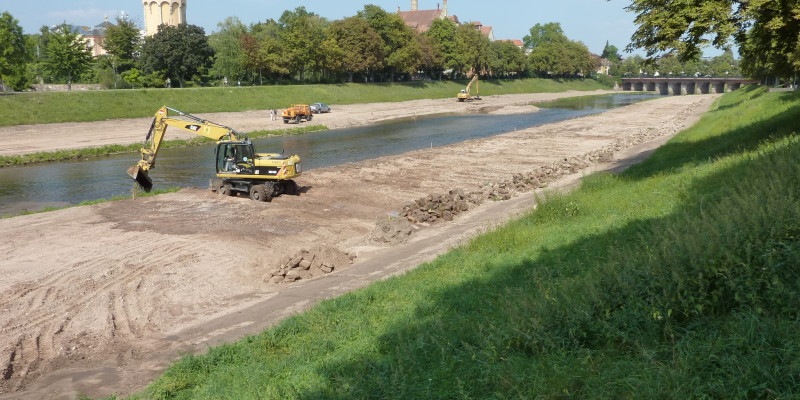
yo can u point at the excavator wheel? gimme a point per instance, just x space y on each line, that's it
260 193
226 190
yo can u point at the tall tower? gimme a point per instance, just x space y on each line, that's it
158 12
444 9
414 5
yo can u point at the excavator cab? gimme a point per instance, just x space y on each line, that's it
235 157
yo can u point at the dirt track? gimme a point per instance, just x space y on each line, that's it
98 299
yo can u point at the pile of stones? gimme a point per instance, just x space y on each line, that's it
305 265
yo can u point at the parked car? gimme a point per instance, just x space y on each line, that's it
317 108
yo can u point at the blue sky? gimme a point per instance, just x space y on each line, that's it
592 22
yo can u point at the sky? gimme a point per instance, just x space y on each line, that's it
592 22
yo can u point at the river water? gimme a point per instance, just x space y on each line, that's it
66 183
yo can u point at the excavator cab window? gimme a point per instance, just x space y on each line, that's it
231 157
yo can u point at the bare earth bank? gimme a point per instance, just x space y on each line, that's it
99 299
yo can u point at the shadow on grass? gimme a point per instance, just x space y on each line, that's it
548 326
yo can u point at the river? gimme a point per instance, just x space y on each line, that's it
59 184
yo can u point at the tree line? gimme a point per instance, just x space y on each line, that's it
301 46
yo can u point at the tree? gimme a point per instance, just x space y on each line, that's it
353 46
432 60
550 32
506 59
121 42
401 52
302 34
724 65
177 51
474 47
13 52
442 34
669 65
68 56
611 53
766 31
554 54
229 57
264 50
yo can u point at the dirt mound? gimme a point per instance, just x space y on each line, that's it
391 232
307 264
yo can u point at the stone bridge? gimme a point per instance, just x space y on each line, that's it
684 85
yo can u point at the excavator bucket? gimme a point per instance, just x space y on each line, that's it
141 177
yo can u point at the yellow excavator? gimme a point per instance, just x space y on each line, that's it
464 94
239 168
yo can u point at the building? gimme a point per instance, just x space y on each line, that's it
515 42
422 20
485 30
160 12
94 36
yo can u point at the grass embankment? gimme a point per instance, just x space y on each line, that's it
679 278
42 108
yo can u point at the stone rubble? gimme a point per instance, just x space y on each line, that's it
434 208
307 264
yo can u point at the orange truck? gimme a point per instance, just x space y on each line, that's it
297 113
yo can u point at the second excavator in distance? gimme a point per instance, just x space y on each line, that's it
465 94
239 168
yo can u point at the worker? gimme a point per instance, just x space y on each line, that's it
230 159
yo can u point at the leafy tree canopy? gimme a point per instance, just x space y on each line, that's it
302 34
68 56
353 46
401 52
122 41
13 53
550 32
178 51
611 53
766 31
229 57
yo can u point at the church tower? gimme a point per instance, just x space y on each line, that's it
158 12
414 5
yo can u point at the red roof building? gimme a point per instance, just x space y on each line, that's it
422 20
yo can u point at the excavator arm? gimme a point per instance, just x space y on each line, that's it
155 137
474 79
465 93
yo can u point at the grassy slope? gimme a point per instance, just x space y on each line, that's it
40 108
676 279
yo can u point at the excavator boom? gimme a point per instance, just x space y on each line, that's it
155 137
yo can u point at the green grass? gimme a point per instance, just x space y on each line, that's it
677 279
40 108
